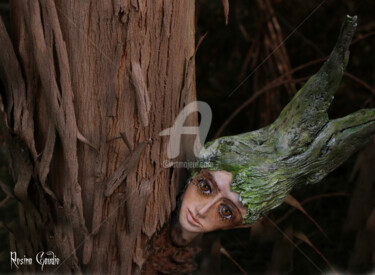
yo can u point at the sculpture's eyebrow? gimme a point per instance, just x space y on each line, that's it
210 178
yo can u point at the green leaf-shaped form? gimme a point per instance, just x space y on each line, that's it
301 147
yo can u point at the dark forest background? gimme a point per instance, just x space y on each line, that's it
244 68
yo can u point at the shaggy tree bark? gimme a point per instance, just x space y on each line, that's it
88 87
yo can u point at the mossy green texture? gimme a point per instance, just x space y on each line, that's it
301 147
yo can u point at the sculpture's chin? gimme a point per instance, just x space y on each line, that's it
180 236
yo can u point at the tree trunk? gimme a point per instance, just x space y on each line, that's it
88 87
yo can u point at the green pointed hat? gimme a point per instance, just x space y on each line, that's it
301 147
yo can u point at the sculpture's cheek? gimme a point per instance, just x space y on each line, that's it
189 203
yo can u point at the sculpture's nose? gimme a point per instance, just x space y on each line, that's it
204 208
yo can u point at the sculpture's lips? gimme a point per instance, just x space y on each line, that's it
193 221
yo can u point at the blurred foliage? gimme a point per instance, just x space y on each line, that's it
4 12
8 209
271 247
223 51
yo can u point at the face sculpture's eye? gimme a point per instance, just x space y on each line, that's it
204 186
225 212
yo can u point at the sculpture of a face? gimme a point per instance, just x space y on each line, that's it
301 147
209 204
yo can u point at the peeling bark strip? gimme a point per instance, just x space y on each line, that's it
83 73
127 166
141 94
44 165
17 102
61 109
